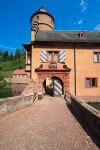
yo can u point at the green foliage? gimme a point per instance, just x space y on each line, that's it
11 57
1 67
3 84
5 56
9 62
17 54
5 90
95 105
1 77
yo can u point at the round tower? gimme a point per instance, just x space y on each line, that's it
41 20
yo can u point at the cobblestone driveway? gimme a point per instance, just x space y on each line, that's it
46 125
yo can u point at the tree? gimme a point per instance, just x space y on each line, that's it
5 56
17 54
11 57
1 55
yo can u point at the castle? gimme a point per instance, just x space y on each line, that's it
60 61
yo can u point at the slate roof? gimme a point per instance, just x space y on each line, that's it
67 36
42 10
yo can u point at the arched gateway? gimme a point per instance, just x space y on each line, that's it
53 82
53 86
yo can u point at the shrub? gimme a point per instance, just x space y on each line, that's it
1 77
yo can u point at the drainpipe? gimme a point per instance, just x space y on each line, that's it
74 70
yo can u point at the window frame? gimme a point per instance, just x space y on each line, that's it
28 55
52 56
98 57
82 35
91 82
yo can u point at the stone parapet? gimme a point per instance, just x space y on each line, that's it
14 103
86 114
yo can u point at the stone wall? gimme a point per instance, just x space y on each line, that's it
87 114
18 88
24 79
18 84
11 104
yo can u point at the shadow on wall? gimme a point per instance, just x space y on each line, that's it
87 130
87 116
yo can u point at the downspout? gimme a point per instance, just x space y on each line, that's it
74 70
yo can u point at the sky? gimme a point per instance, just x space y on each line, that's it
69 15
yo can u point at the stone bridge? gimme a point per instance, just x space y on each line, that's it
47 124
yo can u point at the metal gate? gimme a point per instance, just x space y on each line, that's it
58 87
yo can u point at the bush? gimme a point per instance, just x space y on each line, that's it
1 77
3 84
1 68
6 92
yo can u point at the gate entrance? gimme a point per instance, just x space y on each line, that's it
53 86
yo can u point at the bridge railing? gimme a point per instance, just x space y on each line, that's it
86 113
17 102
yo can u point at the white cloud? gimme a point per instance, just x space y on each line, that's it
83 5
97 27
7 47
80 22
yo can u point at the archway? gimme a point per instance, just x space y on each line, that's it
53 86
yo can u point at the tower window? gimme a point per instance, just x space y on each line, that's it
37 17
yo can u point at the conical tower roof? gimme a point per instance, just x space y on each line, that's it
42 10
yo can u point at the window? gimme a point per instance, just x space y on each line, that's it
53 56
91 82
51 21
37 17
82 34
96 57
28 58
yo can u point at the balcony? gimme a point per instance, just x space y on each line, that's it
52 66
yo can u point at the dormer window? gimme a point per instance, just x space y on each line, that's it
82 35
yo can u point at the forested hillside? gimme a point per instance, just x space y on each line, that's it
10 62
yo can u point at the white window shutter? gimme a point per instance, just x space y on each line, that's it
62 56
43 56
